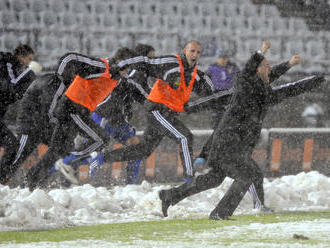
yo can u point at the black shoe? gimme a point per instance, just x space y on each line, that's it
164 197
32 187
4 180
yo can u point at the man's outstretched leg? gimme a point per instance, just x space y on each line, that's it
201 183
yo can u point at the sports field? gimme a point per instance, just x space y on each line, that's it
291 229
130 216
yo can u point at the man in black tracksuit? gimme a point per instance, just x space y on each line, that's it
15 77
34 126
237 134
113 115
162 114
35 120
72 118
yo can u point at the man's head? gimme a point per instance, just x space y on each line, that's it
122 54
145 50
223 57
264 70
192 51
24 54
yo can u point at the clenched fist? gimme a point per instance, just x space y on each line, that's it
265 46
295 60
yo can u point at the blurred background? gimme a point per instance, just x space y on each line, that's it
99 27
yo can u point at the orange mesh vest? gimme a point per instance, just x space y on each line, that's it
89 93
175 99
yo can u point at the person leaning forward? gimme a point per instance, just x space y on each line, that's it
84 83
15 78
177 77
237 134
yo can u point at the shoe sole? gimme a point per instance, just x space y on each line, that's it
68 172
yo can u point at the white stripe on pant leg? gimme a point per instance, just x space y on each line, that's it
22 144
184 142
93 166
90 132
253 192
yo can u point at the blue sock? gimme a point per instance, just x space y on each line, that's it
187 179
52 170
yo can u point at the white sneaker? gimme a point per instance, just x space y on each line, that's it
67 171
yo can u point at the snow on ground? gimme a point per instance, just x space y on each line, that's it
79 205
208 239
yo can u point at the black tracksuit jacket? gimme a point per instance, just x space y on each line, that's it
33 118
162 121
34 110
167 68
72 118
14 80
117 108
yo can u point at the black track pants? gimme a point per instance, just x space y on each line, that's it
159 125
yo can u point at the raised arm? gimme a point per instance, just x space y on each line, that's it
284 91
153 67
282 68
251 66
72 64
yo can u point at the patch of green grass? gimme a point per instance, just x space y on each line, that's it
167 230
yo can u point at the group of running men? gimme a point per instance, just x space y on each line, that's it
93 97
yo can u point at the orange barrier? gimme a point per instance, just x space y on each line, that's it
308 155
276 155
150 165
83 173
116 166
294 150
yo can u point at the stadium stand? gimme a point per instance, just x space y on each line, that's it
28 19
57 6
67 20
210 17
99 27
38 6
19 5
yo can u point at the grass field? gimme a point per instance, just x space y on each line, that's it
268 230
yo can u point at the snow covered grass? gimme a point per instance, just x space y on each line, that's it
130 216
266 229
